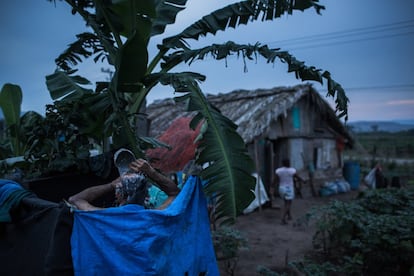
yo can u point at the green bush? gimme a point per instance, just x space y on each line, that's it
372 235
227 243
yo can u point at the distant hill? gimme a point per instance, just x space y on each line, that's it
389 126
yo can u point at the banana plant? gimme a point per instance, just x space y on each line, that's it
121 32
10 102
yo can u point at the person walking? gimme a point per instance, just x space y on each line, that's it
285 177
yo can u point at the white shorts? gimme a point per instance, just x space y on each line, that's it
286 192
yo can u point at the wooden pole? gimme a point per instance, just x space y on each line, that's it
256 154
272 175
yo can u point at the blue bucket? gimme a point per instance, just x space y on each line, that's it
351 172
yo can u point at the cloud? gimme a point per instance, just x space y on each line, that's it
401 102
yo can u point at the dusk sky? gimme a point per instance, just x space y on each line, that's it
366 45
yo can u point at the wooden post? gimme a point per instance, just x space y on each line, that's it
256 154
311 171
272 175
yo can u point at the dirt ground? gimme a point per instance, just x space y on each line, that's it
271 244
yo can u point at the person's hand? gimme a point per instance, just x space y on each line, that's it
116 183
140 165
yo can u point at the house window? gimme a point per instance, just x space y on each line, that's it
296 117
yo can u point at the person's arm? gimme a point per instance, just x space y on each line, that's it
276 180
296 176
162 181
83 199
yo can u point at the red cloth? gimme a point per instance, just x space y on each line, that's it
181 138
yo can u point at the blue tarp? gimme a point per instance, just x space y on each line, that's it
130 240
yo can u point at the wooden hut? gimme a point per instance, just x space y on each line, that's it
282 122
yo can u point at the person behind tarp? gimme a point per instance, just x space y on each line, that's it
131 240
129 188
285 178
134 240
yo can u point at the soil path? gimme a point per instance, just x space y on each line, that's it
271 244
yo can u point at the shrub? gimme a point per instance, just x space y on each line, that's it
227 244
372 235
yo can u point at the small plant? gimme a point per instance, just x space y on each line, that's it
227 243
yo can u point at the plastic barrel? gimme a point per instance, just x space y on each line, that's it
351 172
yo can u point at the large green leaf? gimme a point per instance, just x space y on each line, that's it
250 52
236 14
131 14
99 44
132 62
86 45
63 85
230 167
229 177
132 57
166 14
10 102
179 81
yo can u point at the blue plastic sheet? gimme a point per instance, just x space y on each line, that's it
130 240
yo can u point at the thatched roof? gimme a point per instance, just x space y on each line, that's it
251 110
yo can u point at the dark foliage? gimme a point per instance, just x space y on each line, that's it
372 235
